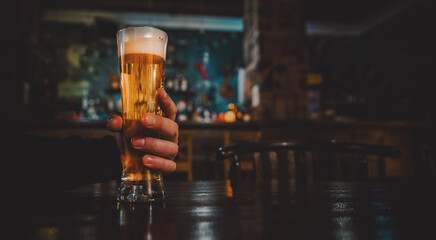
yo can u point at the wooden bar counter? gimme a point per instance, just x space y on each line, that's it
197 140
275 209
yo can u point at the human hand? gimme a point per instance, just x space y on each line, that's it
160 153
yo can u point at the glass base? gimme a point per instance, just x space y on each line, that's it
143 191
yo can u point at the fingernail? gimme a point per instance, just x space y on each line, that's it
138 142
149 120
148 160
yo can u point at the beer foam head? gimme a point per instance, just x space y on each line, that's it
142 40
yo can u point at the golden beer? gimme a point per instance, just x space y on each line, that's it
141 53
141 76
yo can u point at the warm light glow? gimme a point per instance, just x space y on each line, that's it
231 106
229 189
230 116
220 117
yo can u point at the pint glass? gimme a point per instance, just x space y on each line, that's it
141 52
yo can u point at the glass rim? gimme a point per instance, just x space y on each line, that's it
143 27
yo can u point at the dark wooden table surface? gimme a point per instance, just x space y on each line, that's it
400 209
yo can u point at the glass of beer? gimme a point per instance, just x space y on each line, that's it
141 52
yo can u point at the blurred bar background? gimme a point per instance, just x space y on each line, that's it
238 71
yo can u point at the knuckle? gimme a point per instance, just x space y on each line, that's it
175 133
168 166
174 111
176 149
173 167
174 152
114 114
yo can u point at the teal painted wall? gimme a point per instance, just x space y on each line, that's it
76 54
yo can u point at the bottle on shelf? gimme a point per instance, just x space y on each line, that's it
183 84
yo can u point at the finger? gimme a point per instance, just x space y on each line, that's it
114 123
167 105
114 114
157 163
156 146
168 129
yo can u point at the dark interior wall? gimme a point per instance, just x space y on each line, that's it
336 58
383 74
395 62
19 61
